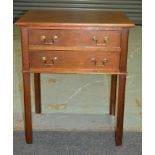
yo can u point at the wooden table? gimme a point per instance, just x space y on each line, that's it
75 41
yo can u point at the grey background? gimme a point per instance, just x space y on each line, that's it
133 8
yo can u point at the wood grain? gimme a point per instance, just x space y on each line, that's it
25 54
74 60
72 48
27 107
37 92
74 52
113 94
75 38
124 50
75 17
120 110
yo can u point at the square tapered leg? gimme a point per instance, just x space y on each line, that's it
27 105
113 94
120 110
37 92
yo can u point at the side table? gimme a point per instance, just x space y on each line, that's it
75 41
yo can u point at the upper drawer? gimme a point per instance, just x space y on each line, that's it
74 38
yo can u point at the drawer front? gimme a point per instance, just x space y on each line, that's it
74 60
75 38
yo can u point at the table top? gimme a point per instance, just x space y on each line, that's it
74 17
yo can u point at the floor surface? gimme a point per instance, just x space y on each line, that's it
77 143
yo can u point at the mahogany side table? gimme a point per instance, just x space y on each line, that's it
75 41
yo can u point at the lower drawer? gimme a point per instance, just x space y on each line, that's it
74 60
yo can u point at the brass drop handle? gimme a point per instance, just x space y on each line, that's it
43 38
55 38
55 60
95 39
105 61
105 39
43 59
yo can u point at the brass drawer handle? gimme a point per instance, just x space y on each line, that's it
105 61
55 60
43 59
55 39
105 39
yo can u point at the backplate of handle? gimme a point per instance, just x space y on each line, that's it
54 60
53 40
104 62
105 39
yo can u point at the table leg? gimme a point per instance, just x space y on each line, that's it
37 92
27 105
113 94
120 110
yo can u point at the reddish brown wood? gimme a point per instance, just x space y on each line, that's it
76 27
72 38
124 50
37 92
120 110
73 51
113 94
25 54
73 71
26 85
74 60
121 92
75 18
73 48
27 105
